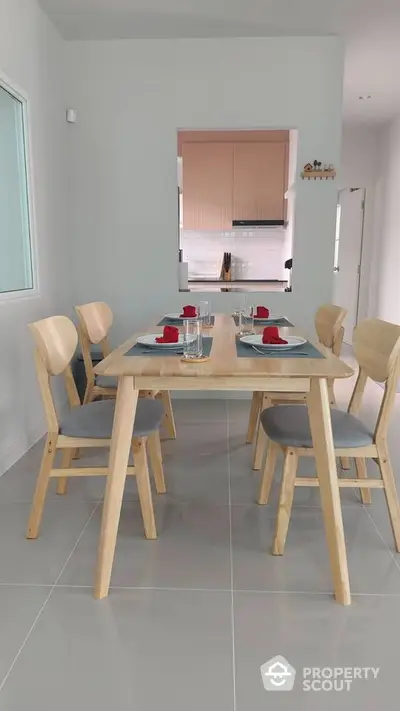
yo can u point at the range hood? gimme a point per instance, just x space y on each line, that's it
258 223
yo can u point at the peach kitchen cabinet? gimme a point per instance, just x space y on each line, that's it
207 183
259 180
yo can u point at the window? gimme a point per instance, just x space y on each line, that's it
16 268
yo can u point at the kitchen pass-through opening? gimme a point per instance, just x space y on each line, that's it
236 197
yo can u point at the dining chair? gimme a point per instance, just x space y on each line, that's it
376 347
95 320
329 329
87 426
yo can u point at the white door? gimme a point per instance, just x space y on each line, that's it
348 251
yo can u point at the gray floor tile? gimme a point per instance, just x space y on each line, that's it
239 411
200 410
135 650
19 607
192 550
196 465
245 482
379 515
311 631
197 479
305 564
137 633
197 440
18 484
38 561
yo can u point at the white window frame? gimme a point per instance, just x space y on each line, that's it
20 95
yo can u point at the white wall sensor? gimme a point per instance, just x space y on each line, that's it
71 115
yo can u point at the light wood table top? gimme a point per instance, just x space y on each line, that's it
223 363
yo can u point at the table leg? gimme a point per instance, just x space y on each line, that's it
321 429
261 437
125 409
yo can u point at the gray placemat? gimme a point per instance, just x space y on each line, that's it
139 350
266 322
170 322
245 351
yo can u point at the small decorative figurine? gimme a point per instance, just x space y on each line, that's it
318 171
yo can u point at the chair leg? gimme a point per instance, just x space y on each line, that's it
285 501
331 391
66 461
41 486
155 457
392 498
261 440
268 475
345 463
361 468
169 421
88 396
144 488
254 415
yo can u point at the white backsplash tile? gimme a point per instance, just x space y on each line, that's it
256 254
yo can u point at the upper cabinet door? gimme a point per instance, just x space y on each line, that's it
260 177
207 184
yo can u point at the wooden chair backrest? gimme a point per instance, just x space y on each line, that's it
328 325
376 346
95 321
56 340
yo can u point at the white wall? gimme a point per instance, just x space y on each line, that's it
31 56
385 272
131 97
360 169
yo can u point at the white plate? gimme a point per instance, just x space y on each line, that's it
292 342
150 341
178 317
271 318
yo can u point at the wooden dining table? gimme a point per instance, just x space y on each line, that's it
224 371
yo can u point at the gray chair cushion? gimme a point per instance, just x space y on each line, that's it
289 425
106 381
95 420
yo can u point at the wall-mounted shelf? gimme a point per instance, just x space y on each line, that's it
318 174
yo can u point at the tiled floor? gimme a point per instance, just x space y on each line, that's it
192 616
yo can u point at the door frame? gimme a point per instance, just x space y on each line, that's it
360 263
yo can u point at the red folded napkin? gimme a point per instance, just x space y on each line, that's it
189 312
271 335
170 335
262 312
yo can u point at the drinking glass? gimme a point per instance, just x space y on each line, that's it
193 340
205 313
246 321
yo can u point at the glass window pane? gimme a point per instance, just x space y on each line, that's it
15 243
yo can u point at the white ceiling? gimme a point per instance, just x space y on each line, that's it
371 29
